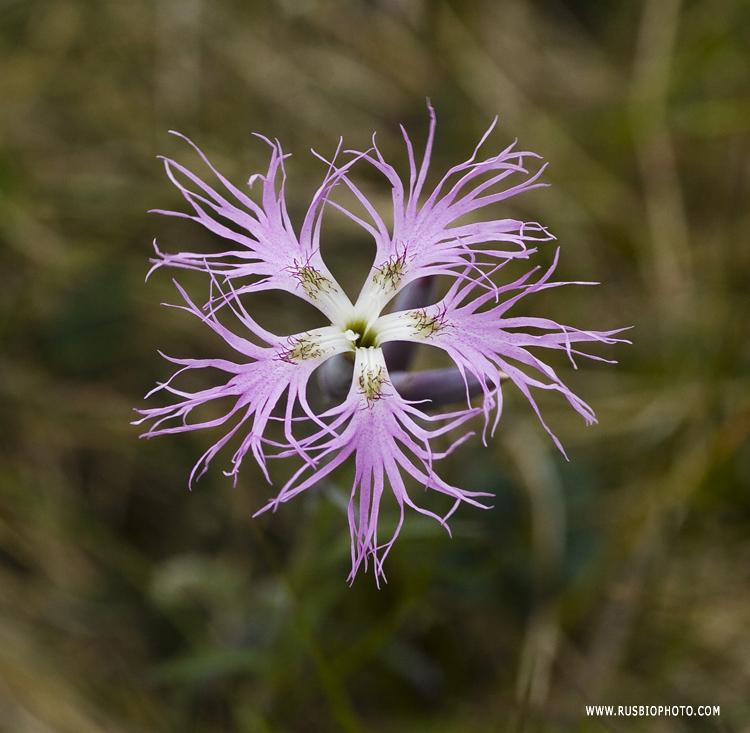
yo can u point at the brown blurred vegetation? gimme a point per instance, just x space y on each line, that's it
619 577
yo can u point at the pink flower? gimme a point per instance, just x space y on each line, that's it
381 419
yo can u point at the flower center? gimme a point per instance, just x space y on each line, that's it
361 334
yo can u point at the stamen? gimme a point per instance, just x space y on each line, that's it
371 373
301 348
426 325
389 275
324 292
315 283
321 342
412 325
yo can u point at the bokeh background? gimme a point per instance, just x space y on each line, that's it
128 604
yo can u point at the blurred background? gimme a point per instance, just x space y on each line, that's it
128 604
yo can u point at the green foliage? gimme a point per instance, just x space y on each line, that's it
620 577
